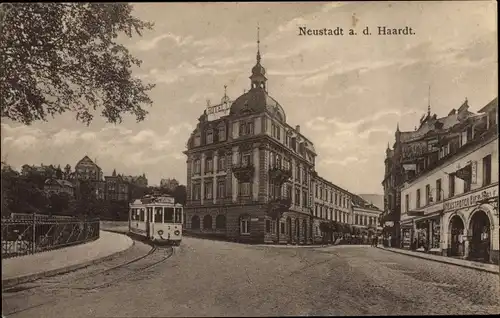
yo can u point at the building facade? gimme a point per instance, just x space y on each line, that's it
364 214
331 203
116 188
250 174
169 184
413 153
451 208
57 186
86 169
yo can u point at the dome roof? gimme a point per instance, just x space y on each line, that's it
258 70
257 100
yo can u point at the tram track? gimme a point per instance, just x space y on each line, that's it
92 281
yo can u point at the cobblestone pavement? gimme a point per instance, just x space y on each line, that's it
209 278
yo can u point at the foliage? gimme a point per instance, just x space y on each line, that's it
59 203
59 57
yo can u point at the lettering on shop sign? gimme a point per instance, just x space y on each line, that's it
473 172
413 150
471 199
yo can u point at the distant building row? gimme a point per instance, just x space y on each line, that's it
113 188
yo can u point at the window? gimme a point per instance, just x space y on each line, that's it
317 191
197 191
274 227
418 199
438 190
336 203
304 199
467 184
282 227
427 194
221 189
297 197
245 225
209 165
197 166
298 173
196 140
168 215
221 166
356 219
242 128
316 210
245 189
407 203
246 159
268 226
487 170
208 190
249 128
210 136
222 133
331 214
220 222
158 215
451 184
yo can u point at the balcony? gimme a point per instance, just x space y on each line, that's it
279 205
243 171
280 174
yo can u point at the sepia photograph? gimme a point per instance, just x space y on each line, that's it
249 159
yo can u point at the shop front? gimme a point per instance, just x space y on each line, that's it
471 226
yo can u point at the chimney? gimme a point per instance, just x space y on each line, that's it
297 128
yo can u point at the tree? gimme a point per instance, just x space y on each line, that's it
67 172
59 57
59 174
59 203
180 194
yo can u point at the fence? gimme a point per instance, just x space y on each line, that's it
23 236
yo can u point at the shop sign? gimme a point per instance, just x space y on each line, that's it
471 199
474 172
389 223
254 219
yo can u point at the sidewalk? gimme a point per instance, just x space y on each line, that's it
491 268
22 269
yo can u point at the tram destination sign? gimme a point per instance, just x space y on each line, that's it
471 199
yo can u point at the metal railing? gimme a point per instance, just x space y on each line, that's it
29 236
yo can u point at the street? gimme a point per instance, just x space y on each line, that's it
211 278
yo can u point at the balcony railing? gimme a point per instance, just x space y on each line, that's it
243 171
23 236
279 205
279 174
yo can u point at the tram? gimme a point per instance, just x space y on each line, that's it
157 218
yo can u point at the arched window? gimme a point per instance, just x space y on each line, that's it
220 222
195 222
207 222
245 225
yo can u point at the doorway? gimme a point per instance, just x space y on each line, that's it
480 241
456 236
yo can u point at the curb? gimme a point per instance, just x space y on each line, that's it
444 261
11 282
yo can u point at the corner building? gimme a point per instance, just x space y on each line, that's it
247 163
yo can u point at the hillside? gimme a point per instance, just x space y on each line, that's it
376 199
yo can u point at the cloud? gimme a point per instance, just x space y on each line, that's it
343 162
148 45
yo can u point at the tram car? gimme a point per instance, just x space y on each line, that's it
157 218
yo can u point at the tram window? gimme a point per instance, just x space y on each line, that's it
133 215
178 214
141 215
158 215
169 215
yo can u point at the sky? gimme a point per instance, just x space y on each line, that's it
346 92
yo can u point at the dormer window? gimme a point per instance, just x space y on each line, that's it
210 136
222 133
246 128
197 140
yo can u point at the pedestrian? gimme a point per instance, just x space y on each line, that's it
376 240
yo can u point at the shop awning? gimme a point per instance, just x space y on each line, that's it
464 173
415 213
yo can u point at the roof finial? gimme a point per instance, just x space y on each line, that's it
397 128
258 43
429 102
225 90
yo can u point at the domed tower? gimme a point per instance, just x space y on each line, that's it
258 78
